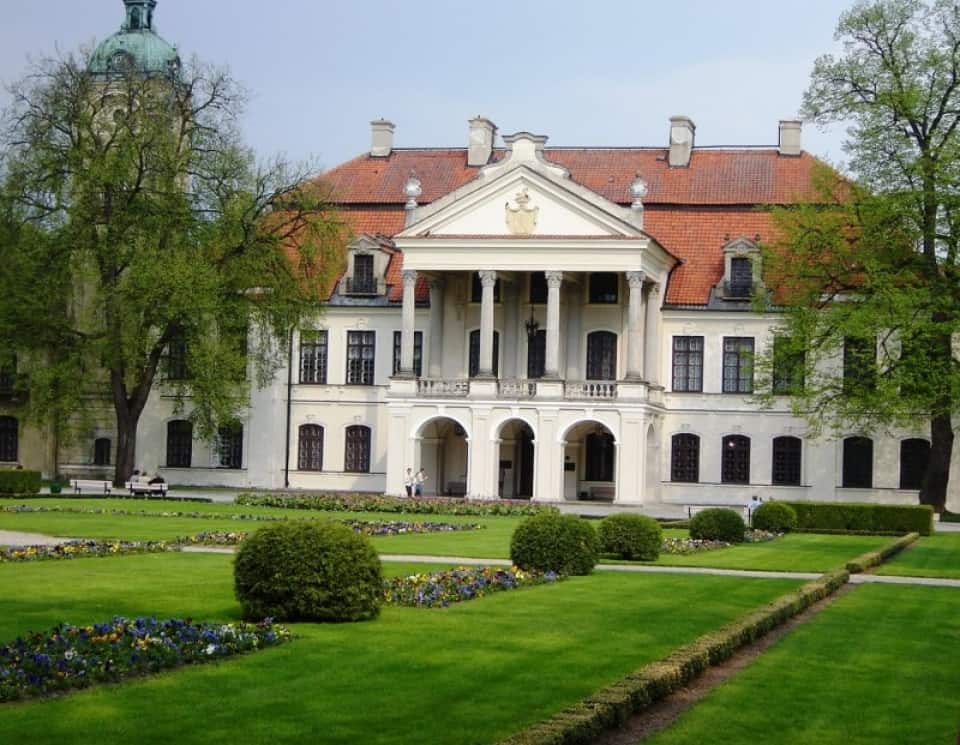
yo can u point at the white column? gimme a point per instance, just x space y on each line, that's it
409 321
552 361
488 279
651 333
635 323
436 329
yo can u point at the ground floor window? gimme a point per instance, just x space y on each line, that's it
914 459
9 439
357 451
311 448
858 463
229 447
685 458
786 460
101 451
735 460
179 444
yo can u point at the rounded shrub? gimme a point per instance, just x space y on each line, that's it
631 536
551 542
305 571
717 524
776 517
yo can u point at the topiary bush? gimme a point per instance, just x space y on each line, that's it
775 516
717 524
305 571
550 542
631 536
20 481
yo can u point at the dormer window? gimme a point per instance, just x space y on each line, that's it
366 267
363 279
741 277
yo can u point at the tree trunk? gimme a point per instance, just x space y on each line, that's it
934 491
126 448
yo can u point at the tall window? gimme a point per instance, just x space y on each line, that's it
604 287
417 352
177 359
685 458
858 463
738 364
8 373
179 444
311 448
313 356
357 451
688 364
788 364
735 460
363 279
474 368
914 459
101 451
9 439
600 449
536 354
741 277
229 447
476 290
361 354
601 355
859 364
538 288
786 460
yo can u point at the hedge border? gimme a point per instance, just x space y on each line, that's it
840 531
864 516
611 707
873 559
71 495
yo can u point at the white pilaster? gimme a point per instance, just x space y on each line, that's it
551 368
635 323
652 327
488 280
409 321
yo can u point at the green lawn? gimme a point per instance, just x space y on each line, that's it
472 673
877 668
937 555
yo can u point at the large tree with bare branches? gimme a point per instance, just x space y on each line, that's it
143 243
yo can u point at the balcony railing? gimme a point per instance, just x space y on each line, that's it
362 286
517 388
590 389
737 289
437 388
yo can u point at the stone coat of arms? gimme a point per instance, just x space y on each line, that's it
522 219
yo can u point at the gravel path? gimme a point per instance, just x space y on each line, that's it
15 538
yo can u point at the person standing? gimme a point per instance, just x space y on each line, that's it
755 502
408 482
418 482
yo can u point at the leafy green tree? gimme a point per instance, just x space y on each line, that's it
143 243
870 274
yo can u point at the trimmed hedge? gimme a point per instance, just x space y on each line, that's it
717 524
872 518
777 517
551 542
19 482
366 502
875 558
631 536
611 707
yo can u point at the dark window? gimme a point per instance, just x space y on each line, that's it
9 439
735 460
685 458
858 463
135 19
788 364
311 448
741 278
604 287
179 444
600 449
313 356
475 353
8 374
787 453
536 354
601 355
538 288
914 458
688 364
177 359
859 364
361 354
738 364
476 293
357 454
101 451
363 279
417 352
229 447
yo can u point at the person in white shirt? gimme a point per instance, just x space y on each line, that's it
418 482
408 482
755 502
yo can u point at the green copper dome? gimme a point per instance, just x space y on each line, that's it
136 45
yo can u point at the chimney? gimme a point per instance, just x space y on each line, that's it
480 145
790 136
381 144
682 130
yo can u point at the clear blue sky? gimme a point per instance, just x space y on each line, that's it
604 72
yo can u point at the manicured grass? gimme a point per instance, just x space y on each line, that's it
877 668
472 673
937 555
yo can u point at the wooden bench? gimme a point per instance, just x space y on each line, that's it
693 509
142 487
603 493
94 485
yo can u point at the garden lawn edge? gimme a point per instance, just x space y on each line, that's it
873 559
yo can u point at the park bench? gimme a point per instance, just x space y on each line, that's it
141 487
693 509
603 493
94 485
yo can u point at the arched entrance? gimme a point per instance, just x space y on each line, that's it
590 463
515 462
443 456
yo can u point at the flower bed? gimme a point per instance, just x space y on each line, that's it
28 508
70 657
213 538
351 502
680 546
440 589
363 527
83 549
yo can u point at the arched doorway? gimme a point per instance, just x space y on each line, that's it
443 457
590 463
515 462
